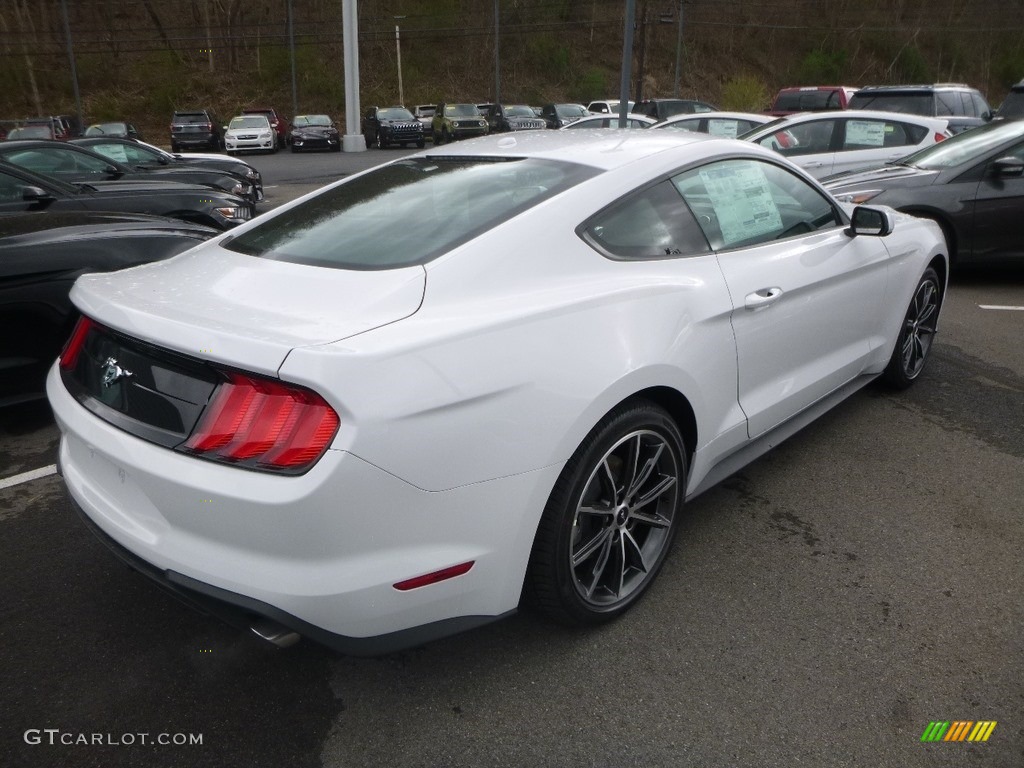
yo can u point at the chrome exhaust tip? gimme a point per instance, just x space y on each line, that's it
275 633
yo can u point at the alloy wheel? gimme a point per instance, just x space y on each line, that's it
623 519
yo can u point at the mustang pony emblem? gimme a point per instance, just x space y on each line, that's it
113 373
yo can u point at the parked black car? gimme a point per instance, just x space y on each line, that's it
964 107
384 126
314 132
73 162
41 255
196 128
971 184
1013 104
513 117
22 190
559 115
138 154
660 109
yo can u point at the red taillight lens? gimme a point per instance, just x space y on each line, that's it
939 137
264 424
69 355
209 126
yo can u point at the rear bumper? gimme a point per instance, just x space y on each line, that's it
318 553
244 613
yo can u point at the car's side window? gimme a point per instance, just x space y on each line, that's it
876 134
121 153
803 139
948 103
11 189
747 202
650 224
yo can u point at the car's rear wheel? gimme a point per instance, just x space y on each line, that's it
421 143
916 334
611 517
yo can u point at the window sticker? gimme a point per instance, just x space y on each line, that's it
724 128
742 200
866 133
114 151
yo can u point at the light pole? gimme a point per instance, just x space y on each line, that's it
398 59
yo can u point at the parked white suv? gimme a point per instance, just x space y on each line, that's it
249 132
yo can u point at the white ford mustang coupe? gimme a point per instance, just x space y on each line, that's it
386 412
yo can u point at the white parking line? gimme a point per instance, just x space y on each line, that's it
25 477
1001 306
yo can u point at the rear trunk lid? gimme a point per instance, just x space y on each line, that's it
245 311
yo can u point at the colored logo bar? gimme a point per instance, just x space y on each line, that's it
958 730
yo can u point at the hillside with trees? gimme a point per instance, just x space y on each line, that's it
142 59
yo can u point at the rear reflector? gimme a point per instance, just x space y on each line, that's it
264 424
436 576
69 355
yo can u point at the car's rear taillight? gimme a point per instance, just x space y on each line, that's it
264 424
69 355
939 137
209 126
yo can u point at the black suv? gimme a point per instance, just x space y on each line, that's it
964 107
661 109
196 128
384 126
1013 104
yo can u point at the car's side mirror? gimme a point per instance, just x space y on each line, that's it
110 170
987 116
873 222
1008 166
35 194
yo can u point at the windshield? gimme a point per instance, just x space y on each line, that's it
323 120
571 110
395 113
408 212
518 110
106 129
461 110
251 121
965 147
31 132
766 128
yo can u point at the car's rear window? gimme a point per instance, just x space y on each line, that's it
409 212
908 103
190 117
807 101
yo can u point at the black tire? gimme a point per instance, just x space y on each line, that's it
917 333
382 143
421 143
611 517
175 148
294 149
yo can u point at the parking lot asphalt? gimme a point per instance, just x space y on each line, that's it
820 608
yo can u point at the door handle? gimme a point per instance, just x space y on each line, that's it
814 164
762 298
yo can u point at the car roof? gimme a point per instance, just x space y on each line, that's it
718 115
605 148
918 87
852 114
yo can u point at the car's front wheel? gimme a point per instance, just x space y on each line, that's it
611 517
916 334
